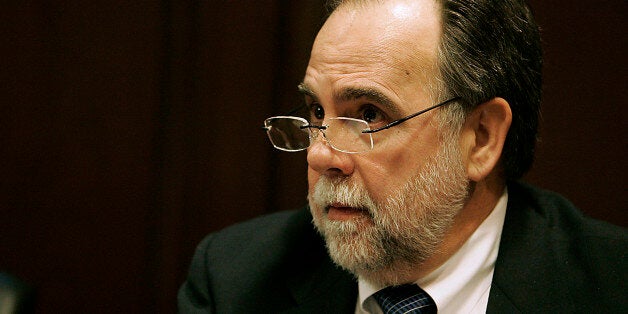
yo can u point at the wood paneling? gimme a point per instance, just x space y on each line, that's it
79 92
583 148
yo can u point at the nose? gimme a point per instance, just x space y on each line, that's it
325 160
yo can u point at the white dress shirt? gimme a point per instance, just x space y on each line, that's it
462 284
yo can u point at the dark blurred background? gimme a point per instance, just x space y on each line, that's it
130 129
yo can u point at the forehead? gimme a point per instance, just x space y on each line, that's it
378 24
390 44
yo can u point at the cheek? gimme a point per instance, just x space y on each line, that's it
312 178
387 171
379 176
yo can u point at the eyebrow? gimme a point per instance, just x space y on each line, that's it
306 90
353 93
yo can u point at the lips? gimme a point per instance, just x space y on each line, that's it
342 212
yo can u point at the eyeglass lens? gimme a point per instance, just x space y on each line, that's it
343 134
287 134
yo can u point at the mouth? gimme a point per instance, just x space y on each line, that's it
341 212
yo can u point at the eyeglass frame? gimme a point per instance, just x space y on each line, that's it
387 126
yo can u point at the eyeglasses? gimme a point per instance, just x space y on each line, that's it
347 135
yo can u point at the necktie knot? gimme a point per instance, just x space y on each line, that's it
404 299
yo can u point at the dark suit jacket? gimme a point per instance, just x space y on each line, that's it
551 260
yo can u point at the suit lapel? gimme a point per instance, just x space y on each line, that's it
525 276
499 301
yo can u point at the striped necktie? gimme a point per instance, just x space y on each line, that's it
405 299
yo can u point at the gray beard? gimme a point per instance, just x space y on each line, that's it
386 246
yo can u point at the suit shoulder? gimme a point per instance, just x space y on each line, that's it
248 265
560 215
272 232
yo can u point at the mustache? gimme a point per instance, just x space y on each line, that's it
328 191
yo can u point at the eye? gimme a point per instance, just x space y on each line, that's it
317 112
371 114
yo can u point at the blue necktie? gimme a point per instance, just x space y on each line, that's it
405 299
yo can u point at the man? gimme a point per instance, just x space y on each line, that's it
422 114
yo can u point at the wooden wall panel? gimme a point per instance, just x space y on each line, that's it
78 99
583 148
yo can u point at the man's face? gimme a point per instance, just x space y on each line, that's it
388 208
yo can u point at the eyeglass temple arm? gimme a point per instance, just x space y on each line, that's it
396 122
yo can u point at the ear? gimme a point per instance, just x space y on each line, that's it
483 136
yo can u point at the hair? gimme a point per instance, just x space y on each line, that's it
491 48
